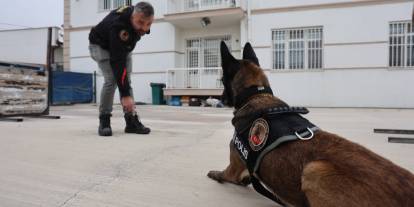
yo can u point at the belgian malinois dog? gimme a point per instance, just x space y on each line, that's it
321 169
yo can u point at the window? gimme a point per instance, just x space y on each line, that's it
192 53
205 52
202 60
297 48
191 5
105 5
401 44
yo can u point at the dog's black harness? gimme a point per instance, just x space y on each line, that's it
258 133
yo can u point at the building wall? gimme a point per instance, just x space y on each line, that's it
356 72
265 4
24 46
155 53
353 36
58 59
355 33
87 14
361 87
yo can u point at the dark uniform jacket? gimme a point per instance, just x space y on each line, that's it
116 35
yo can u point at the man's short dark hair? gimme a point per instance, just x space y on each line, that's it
145 8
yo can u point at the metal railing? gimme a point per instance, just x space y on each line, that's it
107 5
181 6
194 78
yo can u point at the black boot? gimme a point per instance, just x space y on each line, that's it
134 125
105 125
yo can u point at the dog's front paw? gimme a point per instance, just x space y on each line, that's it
216 175
245 181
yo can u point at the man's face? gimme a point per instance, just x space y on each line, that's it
141 23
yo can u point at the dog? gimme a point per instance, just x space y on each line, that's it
311 168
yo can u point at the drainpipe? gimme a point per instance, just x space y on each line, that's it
249 14
49 70
412 17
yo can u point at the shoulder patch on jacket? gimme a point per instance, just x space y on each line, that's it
124 35
121 9
258 134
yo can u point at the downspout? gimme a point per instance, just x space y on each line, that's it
249 14
49 71
412 16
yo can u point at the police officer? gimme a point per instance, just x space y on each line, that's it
111 43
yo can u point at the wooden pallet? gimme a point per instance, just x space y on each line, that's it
22 91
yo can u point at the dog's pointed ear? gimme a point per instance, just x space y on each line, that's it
226 57
249 54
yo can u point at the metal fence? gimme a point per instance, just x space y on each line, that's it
180 6
105 5
71 87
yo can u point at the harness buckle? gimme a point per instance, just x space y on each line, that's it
305 138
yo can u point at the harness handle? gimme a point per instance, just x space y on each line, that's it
305 138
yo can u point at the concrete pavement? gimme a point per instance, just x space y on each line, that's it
64 163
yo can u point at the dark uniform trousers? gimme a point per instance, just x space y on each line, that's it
110 44
101 56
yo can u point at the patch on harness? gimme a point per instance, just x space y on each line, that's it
258 134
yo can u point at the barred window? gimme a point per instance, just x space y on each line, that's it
193 48
205 52
401 44
297 48
105 5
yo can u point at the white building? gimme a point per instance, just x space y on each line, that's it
31 46
321 53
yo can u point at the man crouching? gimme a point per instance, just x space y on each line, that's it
111 44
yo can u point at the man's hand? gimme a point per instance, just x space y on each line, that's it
128 103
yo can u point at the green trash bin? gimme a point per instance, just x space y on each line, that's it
157 93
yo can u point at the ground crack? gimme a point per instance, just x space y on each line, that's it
91 187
